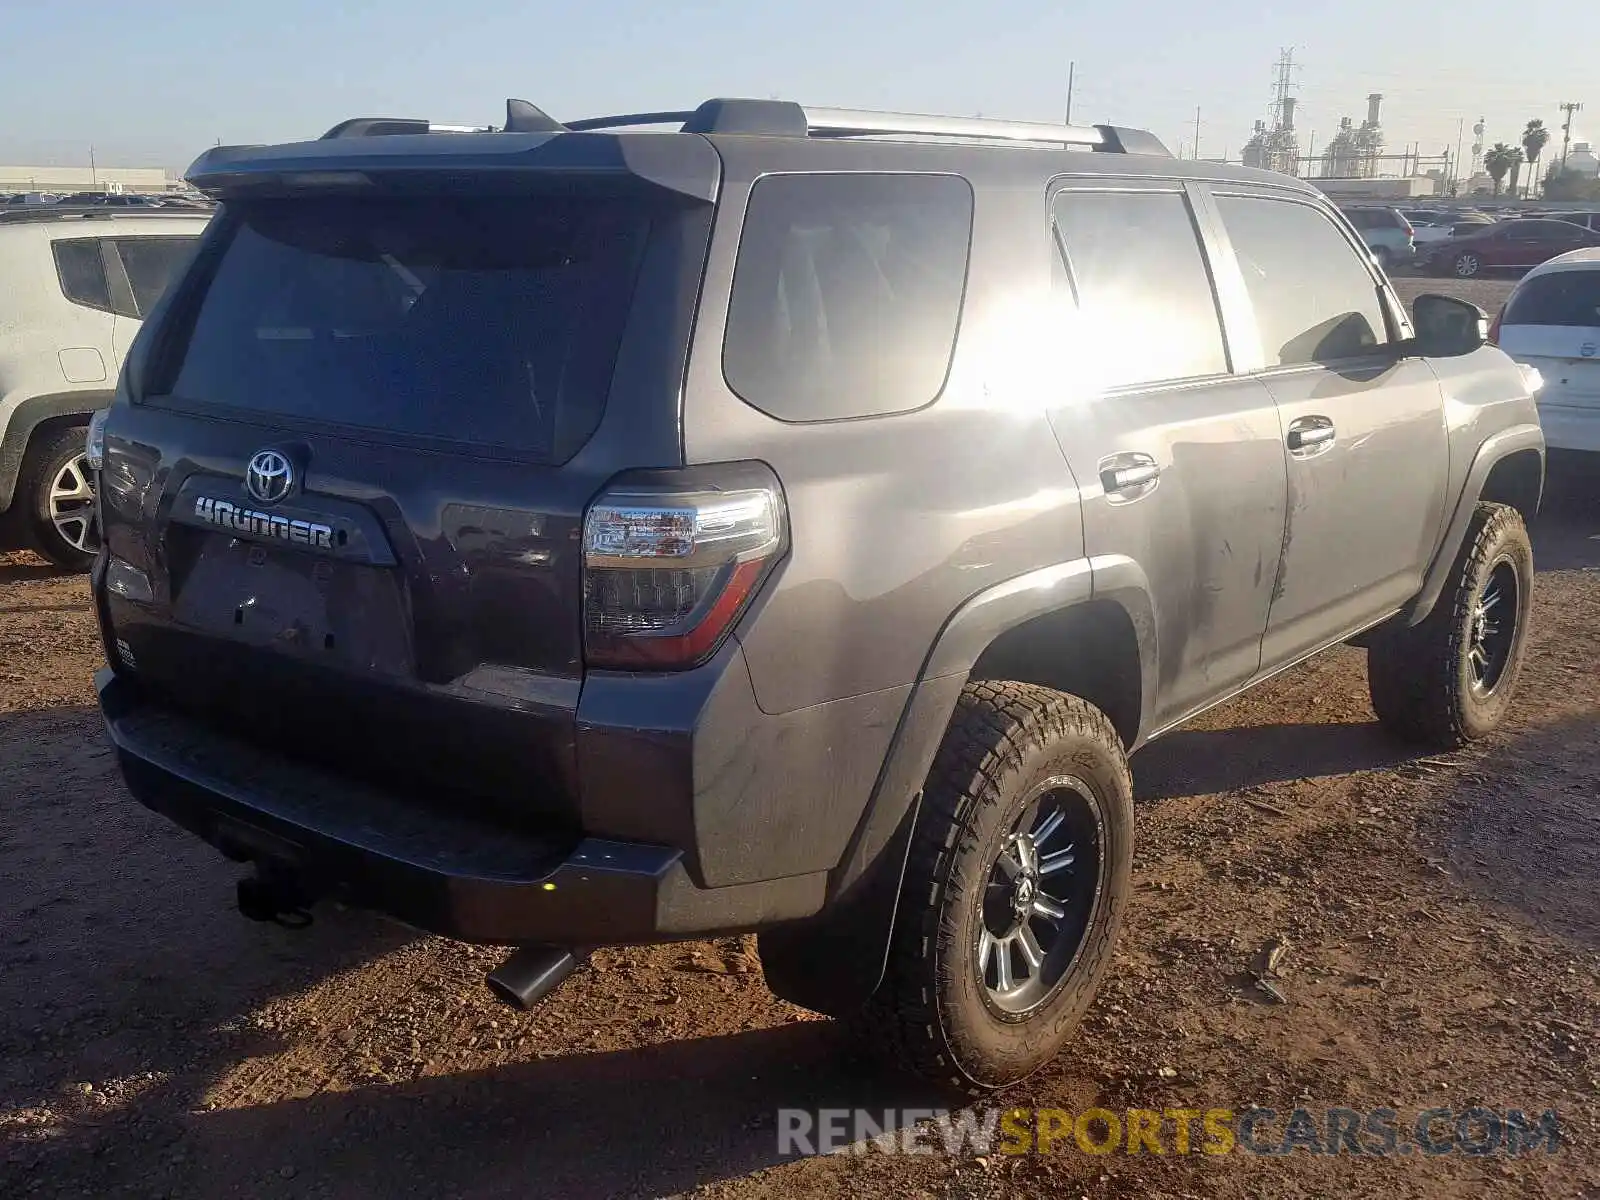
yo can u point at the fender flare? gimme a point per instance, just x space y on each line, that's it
1495 448
833 962
27 417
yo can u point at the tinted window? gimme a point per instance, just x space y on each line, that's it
82 272
1561 298
493 321
1543 231
1145 304
847 293
1314 299
149 263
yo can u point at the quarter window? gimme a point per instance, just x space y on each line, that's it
1146 312
1315 300
847 293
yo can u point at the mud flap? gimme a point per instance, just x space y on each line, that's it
832 963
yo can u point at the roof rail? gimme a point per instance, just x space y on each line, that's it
785 118
847 122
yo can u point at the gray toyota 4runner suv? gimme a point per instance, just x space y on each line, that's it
788 520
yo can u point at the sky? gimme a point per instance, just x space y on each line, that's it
154 82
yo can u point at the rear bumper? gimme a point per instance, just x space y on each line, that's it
1570 428
444 872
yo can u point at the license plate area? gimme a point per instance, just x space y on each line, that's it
308 606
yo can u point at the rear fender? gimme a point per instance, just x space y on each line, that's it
26 418
833 962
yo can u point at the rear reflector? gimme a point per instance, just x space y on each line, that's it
669 568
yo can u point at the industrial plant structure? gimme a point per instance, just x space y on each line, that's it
1354 151
1277 149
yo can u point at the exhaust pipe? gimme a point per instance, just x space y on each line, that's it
271 895
531 974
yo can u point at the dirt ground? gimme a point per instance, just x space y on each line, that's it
1441 917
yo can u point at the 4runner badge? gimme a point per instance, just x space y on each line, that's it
227 515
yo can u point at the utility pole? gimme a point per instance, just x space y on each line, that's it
1197 133
1568 107
1072 68
94 177
1461 129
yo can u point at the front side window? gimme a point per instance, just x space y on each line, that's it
1146 312
1314 298
847 293
82 272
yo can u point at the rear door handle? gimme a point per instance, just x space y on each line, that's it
1129 475
1310 435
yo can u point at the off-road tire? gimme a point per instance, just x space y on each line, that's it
1420 677
928 1016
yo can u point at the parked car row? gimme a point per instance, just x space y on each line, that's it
1467 244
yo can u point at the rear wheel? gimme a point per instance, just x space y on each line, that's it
58 492
1449 679
1014 891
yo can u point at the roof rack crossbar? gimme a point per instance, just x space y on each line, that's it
623 120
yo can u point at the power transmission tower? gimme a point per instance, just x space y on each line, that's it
1568 107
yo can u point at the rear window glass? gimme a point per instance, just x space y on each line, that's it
493 321
1560 298
82 272
847 293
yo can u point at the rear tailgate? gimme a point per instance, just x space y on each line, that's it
355 473
1552 322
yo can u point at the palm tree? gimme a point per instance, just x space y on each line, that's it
1534 139
1498 161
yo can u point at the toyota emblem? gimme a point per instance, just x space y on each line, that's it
269 477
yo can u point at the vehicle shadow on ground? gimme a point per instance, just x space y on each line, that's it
28 572
652 1121
1522 829
122 958
1202 762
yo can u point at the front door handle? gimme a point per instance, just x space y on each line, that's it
1310 435
1128 476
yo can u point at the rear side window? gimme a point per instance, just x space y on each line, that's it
150 263
493 321
82 272
1313 296
1146 311
1561 298
847 293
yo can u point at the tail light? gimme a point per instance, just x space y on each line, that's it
672 559
1494 326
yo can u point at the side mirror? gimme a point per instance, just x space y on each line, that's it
1447 327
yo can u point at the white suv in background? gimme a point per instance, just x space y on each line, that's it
1552 321
76 286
